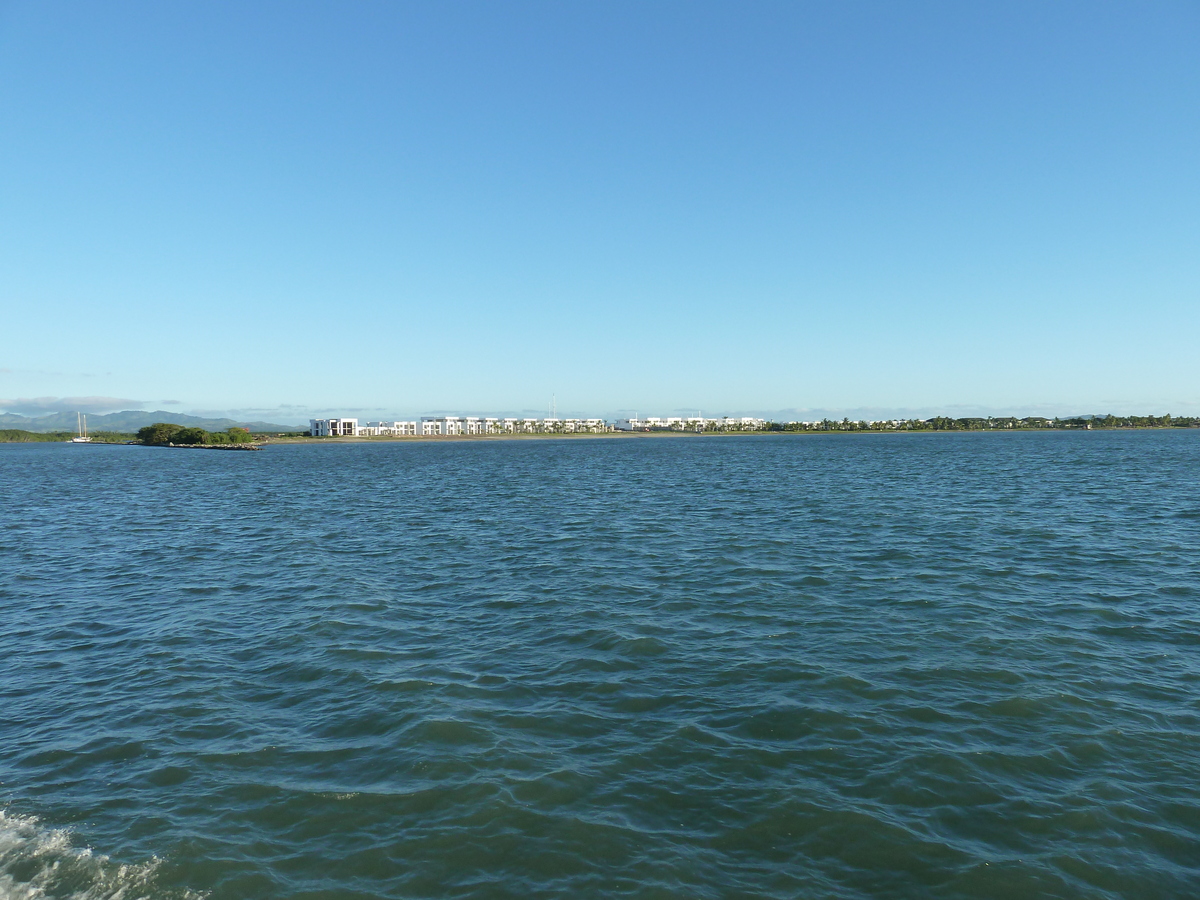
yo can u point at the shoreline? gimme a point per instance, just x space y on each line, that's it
447 438
203 446
626 435
267 439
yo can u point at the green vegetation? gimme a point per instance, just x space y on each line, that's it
163 434
942 423
17 436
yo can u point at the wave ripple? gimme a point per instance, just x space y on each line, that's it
911 666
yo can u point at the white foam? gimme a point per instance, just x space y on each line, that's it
38 862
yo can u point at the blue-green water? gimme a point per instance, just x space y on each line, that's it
816 666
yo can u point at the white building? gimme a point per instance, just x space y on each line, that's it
395 429
470 425
333 427
346 427
480 425
442 425
691 423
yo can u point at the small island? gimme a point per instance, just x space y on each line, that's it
164 434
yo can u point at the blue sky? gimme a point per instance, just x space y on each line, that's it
282 209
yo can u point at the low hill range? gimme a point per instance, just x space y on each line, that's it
131 420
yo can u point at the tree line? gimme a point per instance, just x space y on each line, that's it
163 434
975 423
20 436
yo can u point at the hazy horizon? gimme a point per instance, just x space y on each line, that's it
276 211
777 415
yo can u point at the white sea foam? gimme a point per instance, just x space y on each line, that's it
39 862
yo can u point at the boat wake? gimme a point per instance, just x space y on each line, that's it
38 862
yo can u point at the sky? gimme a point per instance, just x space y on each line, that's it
277 210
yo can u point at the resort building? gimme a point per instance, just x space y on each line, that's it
333 427
691 423
346 427
441 425
448 426
454 425
573 426
394 429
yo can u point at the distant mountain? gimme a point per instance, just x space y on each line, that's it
131 420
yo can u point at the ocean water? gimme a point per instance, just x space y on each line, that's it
842 666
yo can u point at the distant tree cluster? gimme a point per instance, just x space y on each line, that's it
943 423
162 434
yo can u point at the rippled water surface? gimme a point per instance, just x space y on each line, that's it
799 666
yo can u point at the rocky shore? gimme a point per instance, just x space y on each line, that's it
212 446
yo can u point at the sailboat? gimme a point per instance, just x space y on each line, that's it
81 424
